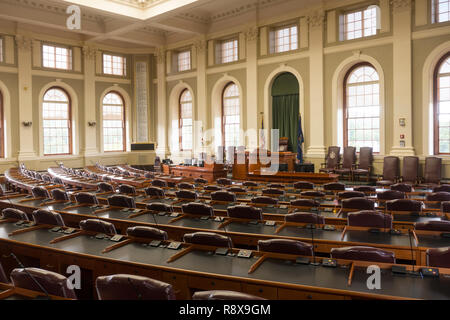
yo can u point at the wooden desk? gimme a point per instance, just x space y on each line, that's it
317 178
208 172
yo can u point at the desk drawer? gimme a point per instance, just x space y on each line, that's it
213 284
265 292
286 294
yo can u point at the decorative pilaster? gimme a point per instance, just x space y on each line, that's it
202 110
251 36
90 147
162 149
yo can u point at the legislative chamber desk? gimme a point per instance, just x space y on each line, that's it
274 278
9 292
247 233
210 172
316 178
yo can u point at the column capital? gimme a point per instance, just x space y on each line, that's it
160 55
317 18
400 4
24 43
90 52
252 33
200 45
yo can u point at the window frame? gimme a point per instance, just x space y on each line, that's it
54 45
2 50
178 61
69 121
223 109
124 124
274 30
345 100
125 65
2 128
435 12
180 121
221 43
435 104
344 25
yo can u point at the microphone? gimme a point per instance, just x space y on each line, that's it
138 294
312 241
47 296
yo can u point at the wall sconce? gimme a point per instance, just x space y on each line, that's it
92 123
27 123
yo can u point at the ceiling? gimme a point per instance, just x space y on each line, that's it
141 23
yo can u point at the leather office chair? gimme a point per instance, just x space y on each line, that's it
275 186
198 209
106 179
286 246
40 192
208 239
131 287
390 195
390 171
351 194
223 196
54 283
307 203
93 176
304 217
149 175
363 254
127 189
157 164
3 277
159 207
264 200
121 201
332 160
186 195
245 212
249 184
86 198
105 187
346 168
237 190
442 188
433 225
47 217
403 187
432 172
334 186
46 178
147 233
159 183
16 214
358 204
406 205
185 185
410 170
155 192
369 219
59 195
223 295
98 226
57 180
445 206
438 196
200 181
224 181
312 194
272 192
283 144
304 185
438 257
212 188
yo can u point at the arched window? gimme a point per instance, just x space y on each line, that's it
57 121
442 106
230 115
114 138
362 109
2 129
185 120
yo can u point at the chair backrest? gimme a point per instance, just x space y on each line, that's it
438 257
185 185
309 203
237 190
249 184
47 217
223 196
11 213
312 194
363 254
200 181
131 287
224 181
433 167
223 295
390 195
86 198
118 200
445 206
159 207
199 209
410 169
154 192
245 212
403 187
390 168
284 144
433 225
275 186
333 157
40 192
212 188
349 157
54 283
365 158
264 200
127 189
305 185
149 175
369 219
304 217
334 186
272 191
351 194
358 204
404 205
159 183
442 187
286 246
186 194
438 196
147 233
365 189
96 225
208 239
105 187
59 195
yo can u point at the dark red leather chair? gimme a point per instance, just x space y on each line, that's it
305 217
245 212
11 213
363 254
264 200
334 186
249 184
390 195
351 194
442 188
127 189
185 185
369 219
410 170
105 187
40 192
199 209
224 182
307 203
159 183
285 246
223 196
159 207
208 239
212 188
365 189
147 233
433 225
332 160
99 226
312 194
357 204
390 171
155 192
86 198
364 167
406 205
118 200
200 181
346 169
223 295
432 171
186 195
47 217
438 257
273 192
59 195
304 185
403 187
131 287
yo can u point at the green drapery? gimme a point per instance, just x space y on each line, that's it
285 117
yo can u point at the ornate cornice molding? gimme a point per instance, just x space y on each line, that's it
24 43
252 33
317 18
401 4
90 52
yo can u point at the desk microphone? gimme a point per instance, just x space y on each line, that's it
138 294
47 296
412 252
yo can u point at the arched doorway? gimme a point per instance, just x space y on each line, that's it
285 108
